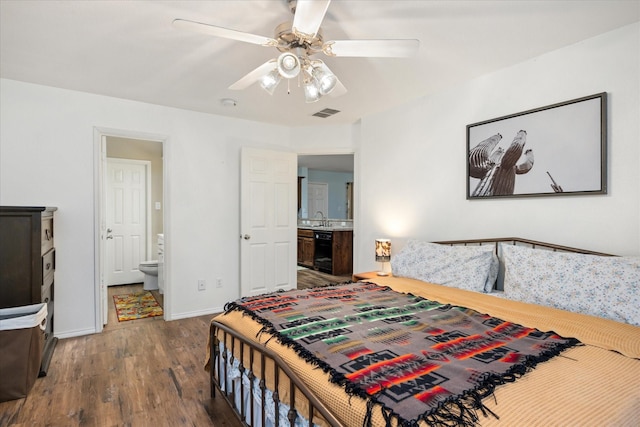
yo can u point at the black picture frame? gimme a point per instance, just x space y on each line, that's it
557 150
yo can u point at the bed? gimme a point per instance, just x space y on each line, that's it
587 298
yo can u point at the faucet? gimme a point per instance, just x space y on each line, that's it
324 221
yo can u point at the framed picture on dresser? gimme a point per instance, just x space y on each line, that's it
556 150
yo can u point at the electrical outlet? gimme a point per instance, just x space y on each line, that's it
202 285
219 282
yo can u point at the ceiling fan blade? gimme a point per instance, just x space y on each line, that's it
372 48
338 90
254 76
308 17
226 33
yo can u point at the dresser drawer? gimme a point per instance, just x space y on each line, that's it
48 264
46 234
47 292
47 298
305 232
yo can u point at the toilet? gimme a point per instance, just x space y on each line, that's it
150 270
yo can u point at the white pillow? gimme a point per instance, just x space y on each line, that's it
601 286
473 268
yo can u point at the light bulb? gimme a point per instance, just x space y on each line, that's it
288 65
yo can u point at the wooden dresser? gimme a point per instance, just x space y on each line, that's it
27 264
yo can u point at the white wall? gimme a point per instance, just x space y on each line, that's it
424 192
47 158
322 139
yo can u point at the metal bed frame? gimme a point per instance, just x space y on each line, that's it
241 349
261 355
516 241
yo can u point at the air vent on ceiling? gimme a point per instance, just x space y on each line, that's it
327 112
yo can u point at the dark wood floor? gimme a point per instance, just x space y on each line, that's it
145 372
309 278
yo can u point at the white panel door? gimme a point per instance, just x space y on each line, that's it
126 220
318 199
268 221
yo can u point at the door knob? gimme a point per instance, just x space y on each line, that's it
109 230
246 237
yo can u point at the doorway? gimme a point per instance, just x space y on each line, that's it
134 149
334 170
317 199
336 173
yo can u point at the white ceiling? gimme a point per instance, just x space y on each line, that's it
129 49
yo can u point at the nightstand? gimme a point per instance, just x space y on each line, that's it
367 275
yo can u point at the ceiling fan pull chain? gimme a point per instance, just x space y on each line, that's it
288 86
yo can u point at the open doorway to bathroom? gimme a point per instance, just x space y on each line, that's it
134 191
129 224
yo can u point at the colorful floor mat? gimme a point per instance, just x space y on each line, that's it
136 306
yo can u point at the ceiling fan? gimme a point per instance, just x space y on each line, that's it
298 42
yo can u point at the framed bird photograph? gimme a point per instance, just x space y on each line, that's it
557 150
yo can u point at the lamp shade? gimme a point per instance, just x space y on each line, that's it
326 79
311 90
383 250
270 81
288 65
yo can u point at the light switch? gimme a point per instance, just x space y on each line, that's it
157 206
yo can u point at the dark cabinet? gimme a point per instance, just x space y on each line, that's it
342 257
27 263
332 253
305 248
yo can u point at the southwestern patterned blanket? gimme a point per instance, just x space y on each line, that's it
419 359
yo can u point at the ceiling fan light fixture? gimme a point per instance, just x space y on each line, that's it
297 41
270 81
288 65
326 79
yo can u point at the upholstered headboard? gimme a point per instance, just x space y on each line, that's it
516 241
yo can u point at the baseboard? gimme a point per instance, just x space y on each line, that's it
76 333
189 314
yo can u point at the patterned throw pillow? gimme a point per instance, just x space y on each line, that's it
601 286
474 268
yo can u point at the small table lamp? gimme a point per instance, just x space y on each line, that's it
383 254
